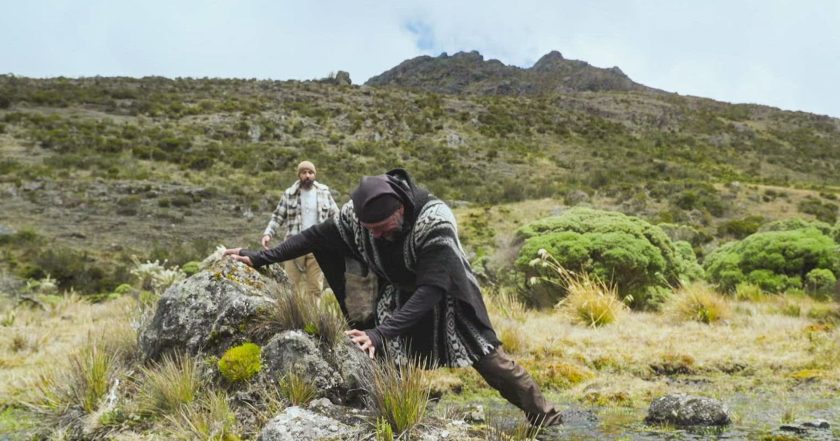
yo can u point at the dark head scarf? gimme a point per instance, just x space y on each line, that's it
375 199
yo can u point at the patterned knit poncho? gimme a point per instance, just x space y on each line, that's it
457 332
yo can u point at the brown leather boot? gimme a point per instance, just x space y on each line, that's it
517 386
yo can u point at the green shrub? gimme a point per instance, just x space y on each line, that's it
774 260
824 211
794 224
820 281
635 256
689 269
123 289
740 228
240 363
680 232
191 267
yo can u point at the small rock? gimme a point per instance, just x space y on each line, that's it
475 414
793 428
817 424
686 410
320 404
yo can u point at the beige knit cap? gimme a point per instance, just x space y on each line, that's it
305 165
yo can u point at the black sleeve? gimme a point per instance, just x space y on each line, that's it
423 300
319 239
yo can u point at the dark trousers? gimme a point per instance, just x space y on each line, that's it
517 386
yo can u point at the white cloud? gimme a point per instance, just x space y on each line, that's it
774 52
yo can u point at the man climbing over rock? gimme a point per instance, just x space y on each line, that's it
429 304
306 203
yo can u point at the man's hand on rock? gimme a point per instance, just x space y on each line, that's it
234 254
362 341
264 241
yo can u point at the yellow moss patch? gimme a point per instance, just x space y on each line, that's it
603 398
240 363
560 375
808 374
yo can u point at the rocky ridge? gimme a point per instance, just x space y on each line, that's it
470 73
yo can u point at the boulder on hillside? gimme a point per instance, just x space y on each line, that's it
209 311
683 410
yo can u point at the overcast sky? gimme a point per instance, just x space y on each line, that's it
784 53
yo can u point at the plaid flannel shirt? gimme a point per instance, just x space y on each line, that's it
288 209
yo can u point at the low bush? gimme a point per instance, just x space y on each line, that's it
635 256
820 281
776 261
740 228
823 211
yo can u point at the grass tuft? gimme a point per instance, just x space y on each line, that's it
297 390
168 385
82 384
498 429
513 339
296 309
589 301
209 418
504 303
398 394
698 302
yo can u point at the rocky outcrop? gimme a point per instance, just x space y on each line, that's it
683 410
470 73
209 311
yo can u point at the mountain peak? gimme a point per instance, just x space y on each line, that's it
469 72
548 60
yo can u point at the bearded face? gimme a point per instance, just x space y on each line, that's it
307 178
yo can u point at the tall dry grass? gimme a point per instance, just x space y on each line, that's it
295 309
208 418
398 394
698 302
167 385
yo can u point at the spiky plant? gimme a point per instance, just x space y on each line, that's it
208 418
588 301
296 309
297 389
168 385
698 302
398 393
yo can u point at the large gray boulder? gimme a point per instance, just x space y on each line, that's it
208 312
683 410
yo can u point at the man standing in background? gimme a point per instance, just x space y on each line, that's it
304 204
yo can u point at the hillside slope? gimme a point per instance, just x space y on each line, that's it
170 167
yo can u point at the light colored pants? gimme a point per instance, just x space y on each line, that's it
305 267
